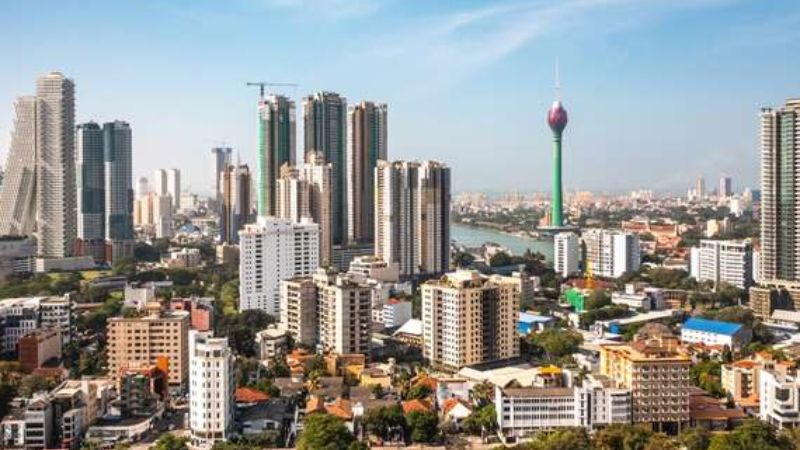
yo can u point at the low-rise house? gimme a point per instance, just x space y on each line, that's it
417 405
455 410
271 343
372 376
271 415
247 396
707 412
531 323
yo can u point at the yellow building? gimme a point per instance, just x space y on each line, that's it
149 339
656 371
467 319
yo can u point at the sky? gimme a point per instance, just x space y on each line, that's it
658 92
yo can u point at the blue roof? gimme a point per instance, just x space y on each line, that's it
531 318
712 326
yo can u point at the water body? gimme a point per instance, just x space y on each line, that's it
475 237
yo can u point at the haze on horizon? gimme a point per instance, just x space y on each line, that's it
658 92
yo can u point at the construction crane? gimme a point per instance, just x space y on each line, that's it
263 84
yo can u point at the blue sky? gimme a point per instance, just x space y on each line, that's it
658 92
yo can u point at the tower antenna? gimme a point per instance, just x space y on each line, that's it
558 82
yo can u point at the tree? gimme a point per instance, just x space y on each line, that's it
377 391
500 259
324 432
556 342
752 434
661 441
419 391
241 329
482 393
622 437
31 384
124 266
567 438
386 423
695 438
483 420
597 299
169 441
463 259
423 425
144 252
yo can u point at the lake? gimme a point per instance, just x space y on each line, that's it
475 237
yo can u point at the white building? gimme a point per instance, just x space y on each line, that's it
174 187
21 316
139 297
567 253
714 333
611 253
272 250
211 387
345 308
396 312
412 216
271 342
779 398
728 262
523 411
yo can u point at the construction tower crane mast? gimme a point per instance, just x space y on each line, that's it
263 84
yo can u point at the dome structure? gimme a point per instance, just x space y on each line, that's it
557 117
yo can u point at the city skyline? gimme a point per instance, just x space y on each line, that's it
481 55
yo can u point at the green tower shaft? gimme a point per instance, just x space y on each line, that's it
556 208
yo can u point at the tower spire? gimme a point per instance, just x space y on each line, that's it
558 82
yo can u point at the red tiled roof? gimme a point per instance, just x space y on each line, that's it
250 395
416 405
451 403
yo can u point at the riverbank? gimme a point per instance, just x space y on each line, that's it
471 236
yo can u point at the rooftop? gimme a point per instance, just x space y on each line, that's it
712 326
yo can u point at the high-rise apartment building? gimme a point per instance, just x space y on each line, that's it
467 319
159 185
142 187
220 160
728 262
325 121
90 181
235 183
300 309
270 251
780 180
657 373
366 144
160 336
39 193
725 189
305 191
276 147
174 187
611 253
345 313
118 178
212 381
700 188
567 253
153 214
412 216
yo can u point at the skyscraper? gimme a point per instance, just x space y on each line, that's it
174 187
159 186
235 213
90 181
118 181
142 187
366 144
611 253
780 181
325 120
566 253
700 188
39 194
220 160
557 120
725 188
276 147
305 191
412 216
